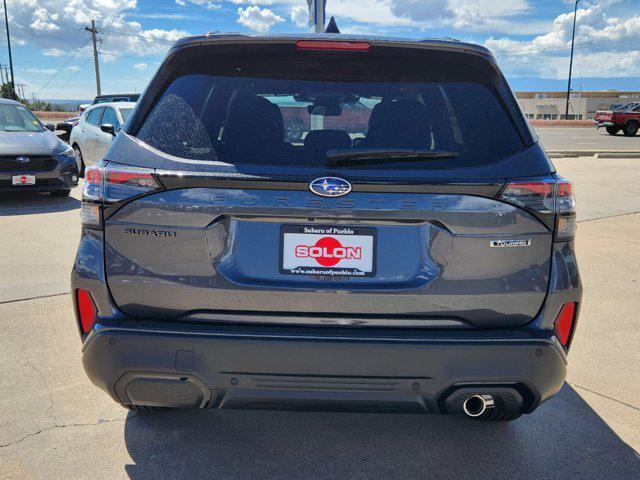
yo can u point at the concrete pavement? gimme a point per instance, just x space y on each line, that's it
55 424
38 238
585 138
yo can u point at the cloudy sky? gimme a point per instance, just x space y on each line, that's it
531 38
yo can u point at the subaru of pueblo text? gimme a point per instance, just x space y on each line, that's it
327 222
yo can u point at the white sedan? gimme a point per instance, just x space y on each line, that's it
92 136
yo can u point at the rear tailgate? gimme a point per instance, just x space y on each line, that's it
222 250
416 243
603 116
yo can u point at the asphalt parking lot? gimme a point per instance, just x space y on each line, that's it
55 424
585 138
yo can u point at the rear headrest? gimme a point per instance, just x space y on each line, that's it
399 124
253 124
327 140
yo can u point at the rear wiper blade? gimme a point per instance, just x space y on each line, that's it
373 156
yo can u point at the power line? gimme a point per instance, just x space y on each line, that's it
112 33
107 53
577 45
71 57
72 77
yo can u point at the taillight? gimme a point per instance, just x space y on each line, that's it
87 311
551 200
565 210
107 184
332 45
565 322
92 193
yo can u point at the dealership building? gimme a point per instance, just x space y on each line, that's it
582 105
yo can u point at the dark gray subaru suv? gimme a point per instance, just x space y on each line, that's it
328 223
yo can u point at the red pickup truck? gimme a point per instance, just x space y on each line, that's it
625 118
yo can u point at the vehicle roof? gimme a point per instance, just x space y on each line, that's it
221 37
107 95
113 104
8 101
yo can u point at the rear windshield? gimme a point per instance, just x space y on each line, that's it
304 108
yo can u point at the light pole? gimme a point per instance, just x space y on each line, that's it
316 24
573 39
6 22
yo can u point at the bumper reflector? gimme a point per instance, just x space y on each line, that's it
564 322
87 310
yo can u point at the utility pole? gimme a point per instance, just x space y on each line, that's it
2 73
96 63
573 39
6 22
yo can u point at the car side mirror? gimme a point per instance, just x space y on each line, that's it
108 128
50 126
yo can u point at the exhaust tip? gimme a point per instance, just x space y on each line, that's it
476 405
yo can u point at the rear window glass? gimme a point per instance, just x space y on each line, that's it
282 117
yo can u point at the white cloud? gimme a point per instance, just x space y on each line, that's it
43 20
141 67
253 2
604 47
42 71
209 4
364 11
43 23
300 15
164 16
53 52
255 18
470 15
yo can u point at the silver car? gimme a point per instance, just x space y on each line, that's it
92 136
32 158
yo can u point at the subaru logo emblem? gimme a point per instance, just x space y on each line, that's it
330 187
23 159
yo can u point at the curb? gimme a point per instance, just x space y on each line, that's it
594 153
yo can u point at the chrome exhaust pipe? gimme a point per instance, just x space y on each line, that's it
476 405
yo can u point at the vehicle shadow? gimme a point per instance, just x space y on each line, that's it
565 438
29 203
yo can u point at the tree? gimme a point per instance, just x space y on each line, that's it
38 106
7 91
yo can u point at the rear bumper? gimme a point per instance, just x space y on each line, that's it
215 365
223 367
604 123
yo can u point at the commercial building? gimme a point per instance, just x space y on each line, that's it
582 105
